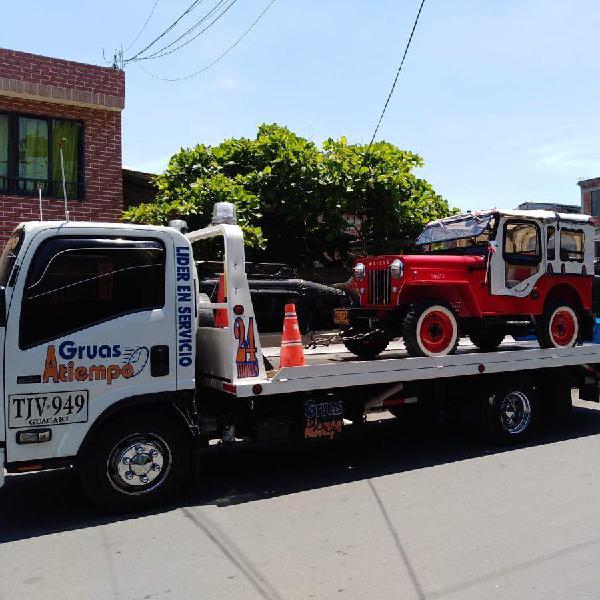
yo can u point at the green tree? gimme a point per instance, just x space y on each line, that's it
296 202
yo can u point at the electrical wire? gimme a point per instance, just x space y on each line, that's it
137 37
185 33
192 38
188 10
221 56
396 78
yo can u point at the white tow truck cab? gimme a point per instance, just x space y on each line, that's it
114 364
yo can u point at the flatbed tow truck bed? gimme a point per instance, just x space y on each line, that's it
333 367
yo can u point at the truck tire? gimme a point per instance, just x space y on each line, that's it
136 462
430 329
558 326
509 411
367 347
487 339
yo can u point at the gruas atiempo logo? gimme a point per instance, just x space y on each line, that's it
63 364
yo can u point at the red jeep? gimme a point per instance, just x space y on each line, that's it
485 275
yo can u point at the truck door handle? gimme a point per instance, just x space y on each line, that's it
159 361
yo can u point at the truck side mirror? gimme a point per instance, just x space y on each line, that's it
2 306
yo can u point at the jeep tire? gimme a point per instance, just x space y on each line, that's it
487 339
558 326
430 329
367 347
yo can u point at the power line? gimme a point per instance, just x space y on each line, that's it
214 62
192 38
188 10
137 37
396 78
185 33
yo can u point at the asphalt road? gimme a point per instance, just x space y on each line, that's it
389 514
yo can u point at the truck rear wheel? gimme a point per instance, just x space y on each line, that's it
136 462
558 327
509 412
430 329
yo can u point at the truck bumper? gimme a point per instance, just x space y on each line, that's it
2 463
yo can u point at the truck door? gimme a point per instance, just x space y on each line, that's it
516 265
90 323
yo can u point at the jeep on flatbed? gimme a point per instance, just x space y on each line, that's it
485 275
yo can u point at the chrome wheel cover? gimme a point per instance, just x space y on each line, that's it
515 412
139 464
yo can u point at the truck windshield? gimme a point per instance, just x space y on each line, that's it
464 233
9 255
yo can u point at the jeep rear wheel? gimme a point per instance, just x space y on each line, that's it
558 327
430 329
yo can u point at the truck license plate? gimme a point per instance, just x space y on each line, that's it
340 316
47 409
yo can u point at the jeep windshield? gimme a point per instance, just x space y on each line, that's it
467 235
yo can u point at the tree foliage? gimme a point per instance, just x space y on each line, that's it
296 202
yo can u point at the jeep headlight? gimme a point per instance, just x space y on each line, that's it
397 268
359 271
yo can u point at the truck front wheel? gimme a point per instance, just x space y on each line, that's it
136 462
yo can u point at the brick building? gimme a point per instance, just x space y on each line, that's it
46 105
590 205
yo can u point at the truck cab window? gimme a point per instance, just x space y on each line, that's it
74 283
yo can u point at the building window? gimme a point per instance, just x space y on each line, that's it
30 156
595 203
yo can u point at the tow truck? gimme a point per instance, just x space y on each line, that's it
113 364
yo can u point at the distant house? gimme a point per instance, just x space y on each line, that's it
48 105
561 208
137 188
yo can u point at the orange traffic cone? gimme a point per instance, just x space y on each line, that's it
221 318
292 353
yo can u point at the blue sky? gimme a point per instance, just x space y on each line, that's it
500 97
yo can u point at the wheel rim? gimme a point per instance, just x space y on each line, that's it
563 327
139 463
515 412
436 331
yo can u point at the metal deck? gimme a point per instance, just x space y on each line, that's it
332 368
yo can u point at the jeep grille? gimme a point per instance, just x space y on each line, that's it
379 286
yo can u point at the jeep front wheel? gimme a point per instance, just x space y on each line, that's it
430 329
558 327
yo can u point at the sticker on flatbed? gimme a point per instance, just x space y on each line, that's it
47 408
323 418
341 317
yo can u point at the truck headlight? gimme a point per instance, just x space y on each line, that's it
397 268
359 271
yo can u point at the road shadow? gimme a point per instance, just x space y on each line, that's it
43 503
